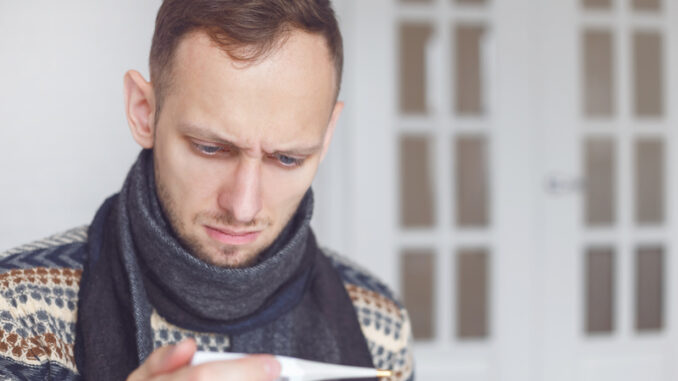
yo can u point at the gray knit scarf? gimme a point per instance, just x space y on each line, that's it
291 302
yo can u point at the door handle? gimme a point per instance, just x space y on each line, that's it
560 184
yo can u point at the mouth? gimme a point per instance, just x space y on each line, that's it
231 237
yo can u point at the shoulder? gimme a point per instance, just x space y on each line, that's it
382 317
39 285
50 251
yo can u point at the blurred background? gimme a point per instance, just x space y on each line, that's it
506 166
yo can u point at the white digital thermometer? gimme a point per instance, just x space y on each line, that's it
294 369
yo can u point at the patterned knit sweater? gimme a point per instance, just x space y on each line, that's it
39 285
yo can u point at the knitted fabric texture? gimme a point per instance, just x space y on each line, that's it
37 324
291 303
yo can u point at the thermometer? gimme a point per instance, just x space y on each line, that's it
294 369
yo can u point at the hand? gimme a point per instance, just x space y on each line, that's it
172 362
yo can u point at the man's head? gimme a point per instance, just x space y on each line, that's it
239 112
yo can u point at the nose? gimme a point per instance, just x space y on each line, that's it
241 196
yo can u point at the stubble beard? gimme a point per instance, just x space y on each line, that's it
225 255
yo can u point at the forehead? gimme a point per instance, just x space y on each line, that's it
306 50
292 87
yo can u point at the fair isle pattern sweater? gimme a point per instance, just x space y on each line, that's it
39 285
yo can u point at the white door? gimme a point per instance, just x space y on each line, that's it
512 177
605 126
441 171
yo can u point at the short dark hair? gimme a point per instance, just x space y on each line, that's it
246 29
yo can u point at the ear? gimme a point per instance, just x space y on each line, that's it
140 108
330 128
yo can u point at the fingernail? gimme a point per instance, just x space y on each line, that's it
184 341
172 349
272 367
176 346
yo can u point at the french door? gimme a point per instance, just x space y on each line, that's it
510 174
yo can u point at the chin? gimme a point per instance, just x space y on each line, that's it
229 258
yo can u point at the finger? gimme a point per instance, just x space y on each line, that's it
254 368
180 356
165 359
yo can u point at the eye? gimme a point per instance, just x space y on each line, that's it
207 149
288 161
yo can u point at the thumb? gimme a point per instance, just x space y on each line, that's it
165 360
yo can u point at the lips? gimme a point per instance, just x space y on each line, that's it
232 237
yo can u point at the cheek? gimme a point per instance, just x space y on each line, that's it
282 190
190 182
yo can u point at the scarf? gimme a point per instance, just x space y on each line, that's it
291 302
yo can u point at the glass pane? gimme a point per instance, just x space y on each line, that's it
469 64
472 294
597 4
598 73
413 41
471 179
599 207
649 288
648 78
417 274
646 5
599 290
416 190
649 182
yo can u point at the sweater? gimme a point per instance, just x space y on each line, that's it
39 285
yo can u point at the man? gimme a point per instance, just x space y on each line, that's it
208 246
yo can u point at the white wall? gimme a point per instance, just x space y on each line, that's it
64 141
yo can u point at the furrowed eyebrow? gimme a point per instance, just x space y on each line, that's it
204 133
300 151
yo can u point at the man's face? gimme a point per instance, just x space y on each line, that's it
238 144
